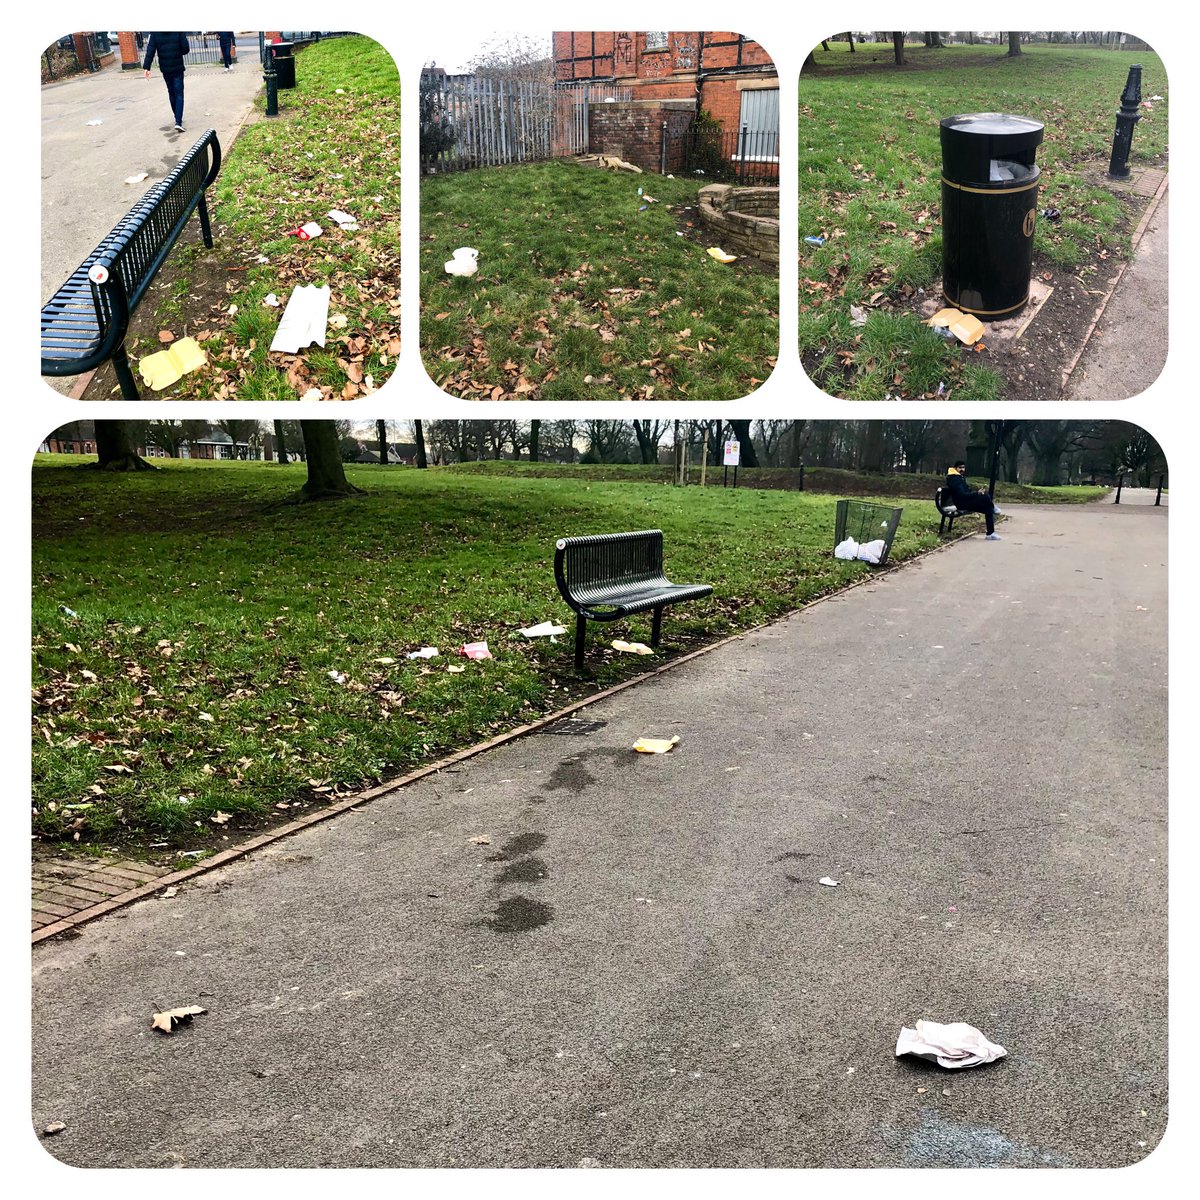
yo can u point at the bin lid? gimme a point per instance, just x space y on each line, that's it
970 141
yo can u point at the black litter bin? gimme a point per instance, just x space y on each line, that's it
871 527
285 64
989 208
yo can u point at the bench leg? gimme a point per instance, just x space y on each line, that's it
656 626
580 630
120 362
205 229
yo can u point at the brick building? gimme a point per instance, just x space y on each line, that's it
722 74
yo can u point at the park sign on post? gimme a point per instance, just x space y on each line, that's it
733 456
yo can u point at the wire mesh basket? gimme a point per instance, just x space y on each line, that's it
866 525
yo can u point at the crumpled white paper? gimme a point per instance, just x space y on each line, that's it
872 552
464 262
846 549
955 1045
343 219
545 629
303 321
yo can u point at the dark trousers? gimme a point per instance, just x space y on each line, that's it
226 48
979 502
175 92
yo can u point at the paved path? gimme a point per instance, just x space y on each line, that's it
641 968
1128 350
84 167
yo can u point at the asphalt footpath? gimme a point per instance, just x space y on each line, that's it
563 953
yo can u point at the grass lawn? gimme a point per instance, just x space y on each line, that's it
185 625
324 151
870 160
579 296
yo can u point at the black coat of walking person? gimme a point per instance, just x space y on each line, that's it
170 49
226 41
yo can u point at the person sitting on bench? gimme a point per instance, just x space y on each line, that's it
969 499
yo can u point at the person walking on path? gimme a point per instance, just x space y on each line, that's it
226 40
969 499
170 49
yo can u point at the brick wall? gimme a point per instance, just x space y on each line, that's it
633 131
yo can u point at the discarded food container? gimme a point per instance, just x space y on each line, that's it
285 64
867 525
989 210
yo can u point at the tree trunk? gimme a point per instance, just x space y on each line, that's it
1014 45
742 430
326 473
535 435
797 429
870 458
280 444
825 46
114 445
419 436
381 436
850 39
809 61
898 48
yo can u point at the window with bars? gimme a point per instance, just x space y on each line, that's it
758 126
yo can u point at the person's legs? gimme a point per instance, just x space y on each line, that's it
226 58
175 93
980 504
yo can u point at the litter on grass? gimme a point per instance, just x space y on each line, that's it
545 629
425 652
162 369
69 611
966 328
166 1021
475 650
815 241
271 300
344 219
954 1045
871 552
858 316
306 232
336 676
303 321
655 745
720 255
464 261
631 647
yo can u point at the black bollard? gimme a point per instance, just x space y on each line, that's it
800 480
270 79
1120 485
1128 115
1158 494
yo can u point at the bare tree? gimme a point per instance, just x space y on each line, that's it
419 438
649 434
535 437
516 57
1014 45
898 48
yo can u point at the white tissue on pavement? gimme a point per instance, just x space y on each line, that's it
954 1045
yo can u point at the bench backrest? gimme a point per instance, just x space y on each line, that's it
138 245
585 565
943 500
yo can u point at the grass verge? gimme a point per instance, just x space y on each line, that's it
334 145
581 296
206 659
870 160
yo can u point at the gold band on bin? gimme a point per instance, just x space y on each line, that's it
986 312
962 187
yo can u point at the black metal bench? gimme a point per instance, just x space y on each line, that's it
85 322
946 507
606 576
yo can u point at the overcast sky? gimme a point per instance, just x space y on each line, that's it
453 49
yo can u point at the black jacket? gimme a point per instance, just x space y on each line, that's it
958 486
170 48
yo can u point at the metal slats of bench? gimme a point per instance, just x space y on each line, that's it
606 576
85 322
947 510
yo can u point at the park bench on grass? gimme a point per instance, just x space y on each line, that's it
606 576
945 505
85 322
